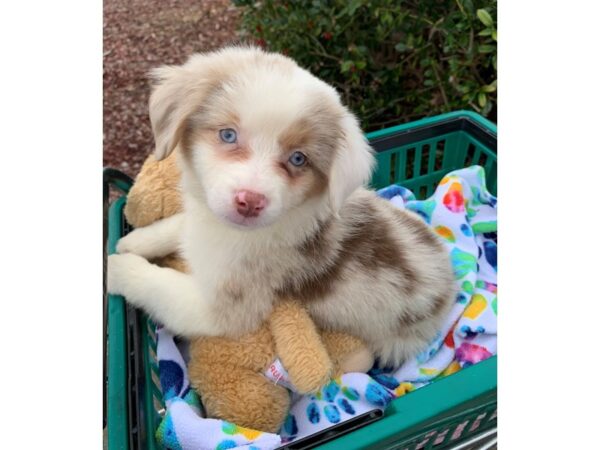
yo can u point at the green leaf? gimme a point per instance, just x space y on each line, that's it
401 47
486 109
485 17
490 87
495 35
468 4
346 66
353 6
482 99
486 48
486 32
361 65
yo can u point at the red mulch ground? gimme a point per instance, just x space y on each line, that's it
140 35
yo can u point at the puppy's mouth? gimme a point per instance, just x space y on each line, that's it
242 222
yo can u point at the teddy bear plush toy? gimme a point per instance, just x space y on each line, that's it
245 380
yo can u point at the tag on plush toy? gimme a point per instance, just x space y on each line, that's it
277 374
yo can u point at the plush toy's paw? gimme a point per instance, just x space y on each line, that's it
300 348
311 374
122 271
240 396
361 360
348 353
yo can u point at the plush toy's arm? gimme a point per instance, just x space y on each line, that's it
157 239
299 347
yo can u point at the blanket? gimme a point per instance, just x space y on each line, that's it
463 213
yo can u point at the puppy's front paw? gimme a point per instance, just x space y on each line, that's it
132 243
122 271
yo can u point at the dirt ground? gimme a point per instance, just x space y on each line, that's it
138 36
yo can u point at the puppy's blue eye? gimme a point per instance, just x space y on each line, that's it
297 159
228 135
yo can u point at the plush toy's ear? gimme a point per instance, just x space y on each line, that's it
353 163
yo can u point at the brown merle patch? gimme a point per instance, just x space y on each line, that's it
418 230
369 244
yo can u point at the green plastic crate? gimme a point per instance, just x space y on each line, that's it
451 412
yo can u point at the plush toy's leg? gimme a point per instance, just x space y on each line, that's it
157 239
241 396
228 375
169 296
299 346
349 354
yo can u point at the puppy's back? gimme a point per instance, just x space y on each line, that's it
394 282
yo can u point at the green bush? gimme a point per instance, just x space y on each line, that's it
391 60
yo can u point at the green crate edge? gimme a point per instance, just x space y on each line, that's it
408 415
433 120
393 426
116 407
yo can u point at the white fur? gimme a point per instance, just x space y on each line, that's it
155 240
353 168
164 293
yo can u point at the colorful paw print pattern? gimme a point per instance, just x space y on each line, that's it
463 214
184 429
464 263
469 354
446 233
395 190
453 198
343 398
174 382
171 379
165 434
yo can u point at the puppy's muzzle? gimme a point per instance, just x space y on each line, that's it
249 203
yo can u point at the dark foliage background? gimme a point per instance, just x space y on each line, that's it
393 61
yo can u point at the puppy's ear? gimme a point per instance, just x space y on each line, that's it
352 165
178 91
167 115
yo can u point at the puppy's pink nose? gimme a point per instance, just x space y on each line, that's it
250 204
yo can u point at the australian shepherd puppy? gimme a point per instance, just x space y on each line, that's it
273 168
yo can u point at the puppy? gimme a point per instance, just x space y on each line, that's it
272 172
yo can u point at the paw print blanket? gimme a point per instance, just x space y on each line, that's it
463 213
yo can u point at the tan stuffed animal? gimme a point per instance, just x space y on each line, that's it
229 373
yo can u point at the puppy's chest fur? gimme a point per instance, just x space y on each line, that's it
374 271
238 276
